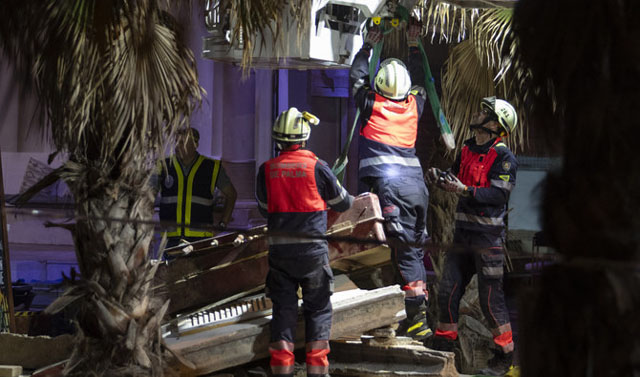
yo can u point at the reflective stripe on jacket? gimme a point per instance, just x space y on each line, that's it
491 170
188 200
393 122
388 128
387 140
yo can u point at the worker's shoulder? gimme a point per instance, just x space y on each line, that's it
418 91
505 154
210 160
502 148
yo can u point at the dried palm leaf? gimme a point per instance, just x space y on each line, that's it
253 19
451 23
490 34
115 79
466 79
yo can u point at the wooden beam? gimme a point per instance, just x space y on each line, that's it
6 261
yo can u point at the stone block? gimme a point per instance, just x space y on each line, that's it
10 370
33 352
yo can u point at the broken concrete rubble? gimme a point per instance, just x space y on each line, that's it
396 357
355 312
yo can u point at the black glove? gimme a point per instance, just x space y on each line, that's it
432 176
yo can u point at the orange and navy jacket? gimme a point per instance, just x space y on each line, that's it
491 170
388 128
293 191
188 200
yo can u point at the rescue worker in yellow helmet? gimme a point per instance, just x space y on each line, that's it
389 167
187 190
293 191
484 174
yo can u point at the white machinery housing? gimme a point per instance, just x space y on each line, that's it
333 36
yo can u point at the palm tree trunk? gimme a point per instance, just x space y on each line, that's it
118 319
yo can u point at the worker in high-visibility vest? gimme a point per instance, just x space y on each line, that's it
293 191
188 188
484 174
389 167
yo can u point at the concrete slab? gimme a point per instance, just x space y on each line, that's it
389 359
354 312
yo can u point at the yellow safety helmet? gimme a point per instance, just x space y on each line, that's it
504 112
293 126
392 80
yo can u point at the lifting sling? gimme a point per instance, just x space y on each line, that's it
429 84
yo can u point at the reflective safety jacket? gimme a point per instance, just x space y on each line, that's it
188 200
491 170
388 128
293 191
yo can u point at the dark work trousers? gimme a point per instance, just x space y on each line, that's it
314 276
473 252
404 202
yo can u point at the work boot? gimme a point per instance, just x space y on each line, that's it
499 365
440 343
415 327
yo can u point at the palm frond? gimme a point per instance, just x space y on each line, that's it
466 79
253 19
125 82
451 23
490 36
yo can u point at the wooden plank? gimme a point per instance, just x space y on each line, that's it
6 261
354 312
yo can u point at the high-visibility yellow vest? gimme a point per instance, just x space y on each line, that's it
188 200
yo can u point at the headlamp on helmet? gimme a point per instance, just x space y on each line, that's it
293 126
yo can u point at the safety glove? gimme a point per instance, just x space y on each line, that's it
374 35
413 33
451 183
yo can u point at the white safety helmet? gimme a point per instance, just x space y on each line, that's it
293 126
505 113
392 80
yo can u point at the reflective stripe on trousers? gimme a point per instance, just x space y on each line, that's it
282 358
317 361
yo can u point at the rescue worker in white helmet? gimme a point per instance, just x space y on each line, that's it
293 191
484 174
388 166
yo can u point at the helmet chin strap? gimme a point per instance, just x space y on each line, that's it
485 129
